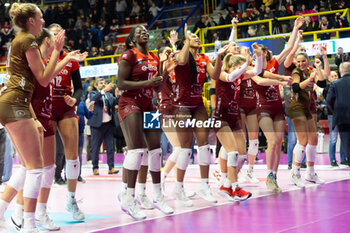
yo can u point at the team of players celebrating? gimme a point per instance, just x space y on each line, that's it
37 99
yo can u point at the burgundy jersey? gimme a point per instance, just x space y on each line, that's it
247 95
188 92
62 83
165 95
269 94
42 99
143 68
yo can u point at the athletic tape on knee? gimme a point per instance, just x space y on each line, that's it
72 169
240 162
48 174
17 180
298 152
223 153
32 183
310 151
133 159
232 159
173 156
144 160
204 155
183 158
253 148
154 157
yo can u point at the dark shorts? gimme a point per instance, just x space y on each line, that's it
276 113
60 110
130 105
47 124
248 110
295 111
233 121
167 110
11 113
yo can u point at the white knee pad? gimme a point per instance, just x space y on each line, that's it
17 180
183 158
144 160
154 157
253 148
298 152
310 151
48 174
173 156
240 162
72 169
223 153
232 159
32 183
204 155
133 159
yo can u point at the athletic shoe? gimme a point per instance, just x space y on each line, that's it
10 223
241 195
96 172
289 166
130 207
180 196
190 193
60 181
313 178
257 160
144 202
345 163
81 180
45 221
251 177
296 178
227 192
205 193
303 165
271 183
162 185
241 179
160 204
72 207
113 171
334 164
31 230
278 189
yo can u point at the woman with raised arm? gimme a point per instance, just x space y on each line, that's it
301 115
138 70
25 68
270 109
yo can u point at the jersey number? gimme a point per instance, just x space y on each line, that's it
58 81
249 83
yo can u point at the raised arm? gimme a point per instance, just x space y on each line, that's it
267 82
183 56
290 57
326 67
214 71
234 22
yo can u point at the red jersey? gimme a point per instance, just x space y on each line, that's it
143 68
247 95
42 99
188 92
165 95
62 82
269 94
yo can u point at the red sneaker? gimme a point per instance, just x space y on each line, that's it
241 195
227 192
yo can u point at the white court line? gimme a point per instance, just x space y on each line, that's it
206 207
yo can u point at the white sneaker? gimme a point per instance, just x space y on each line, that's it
31 230
72 207
296 178
4 228
313 179
205 193
251 177
46 222
241 179
13 224
130 207
144 202
189 193
160 204
180 196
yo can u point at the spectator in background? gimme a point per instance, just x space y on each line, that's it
222 33
135 12
6 32
308 26
340 58
200 24
106 41
211 23
113 30
283 13
244 29
154 10
341 22
324 25
228 19
263 31
241 5
163 43
322 113
121 9
120 49
252 30
256 15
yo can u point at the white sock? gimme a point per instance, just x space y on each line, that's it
204 182
269 171
179 185
234 185
18 213
310 170
157 190
71 195
295 169
29 220
163 175
223 177
40 209
251 167
124 186
141 188
227 183
3 207
130 192
274 173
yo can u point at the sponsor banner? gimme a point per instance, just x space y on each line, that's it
99 70
313 47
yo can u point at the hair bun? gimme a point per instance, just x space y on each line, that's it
15 9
